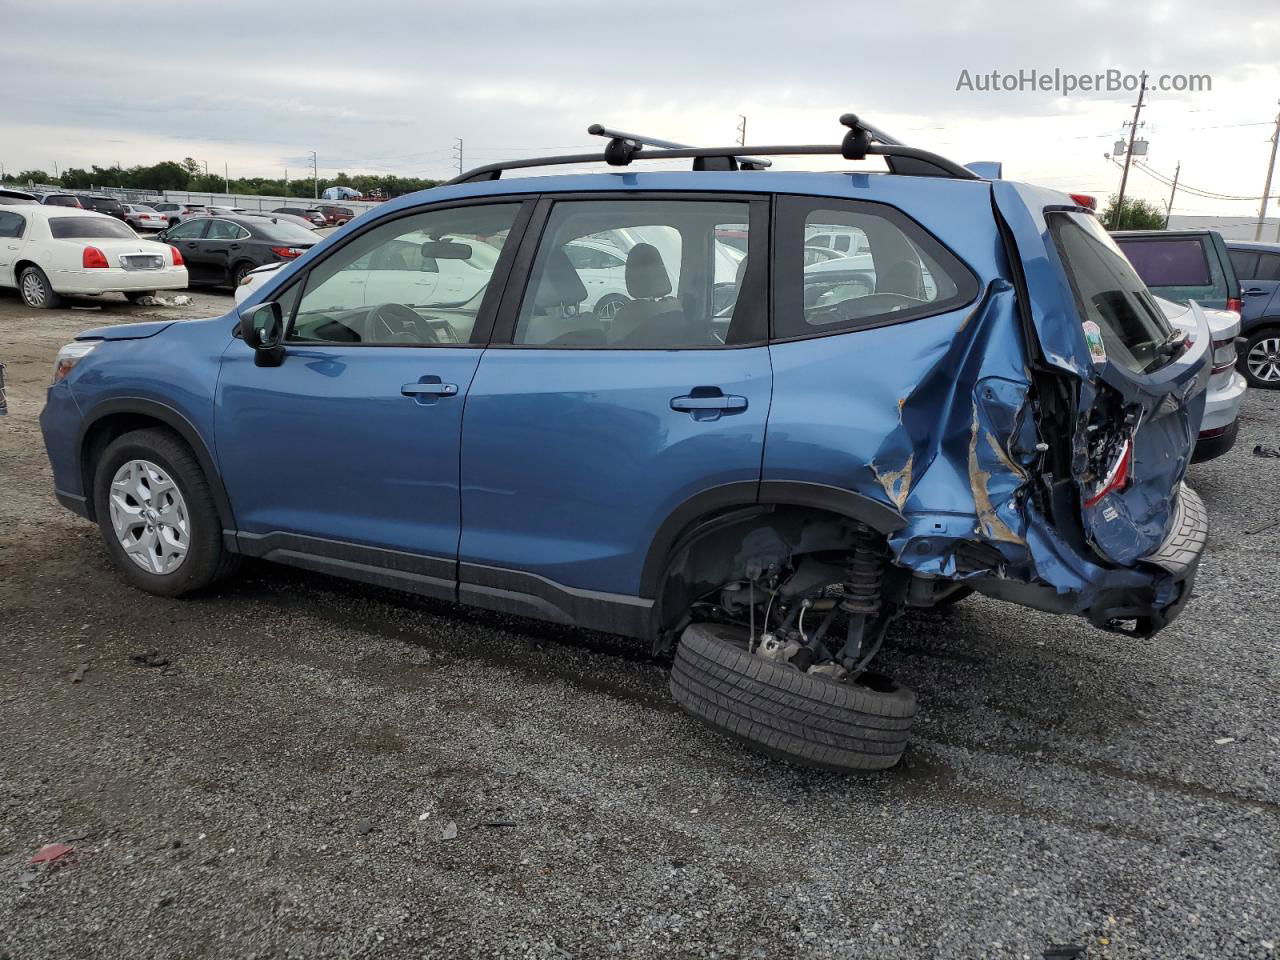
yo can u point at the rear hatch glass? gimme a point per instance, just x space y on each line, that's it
1112 297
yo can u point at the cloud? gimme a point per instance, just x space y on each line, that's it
391 88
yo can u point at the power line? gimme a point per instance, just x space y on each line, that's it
1185 187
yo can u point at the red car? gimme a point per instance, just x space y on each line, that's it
336 216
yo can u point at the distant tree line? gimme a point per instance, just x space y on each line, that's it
189 175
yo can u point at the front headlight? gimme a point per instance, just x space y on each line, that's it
69 356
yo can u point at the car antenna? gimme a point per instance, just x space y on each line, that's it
623 147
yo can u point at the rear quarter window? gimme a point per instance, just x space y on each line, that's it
888 269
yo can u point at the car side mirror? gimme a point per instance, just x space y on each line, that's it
162 235
262 328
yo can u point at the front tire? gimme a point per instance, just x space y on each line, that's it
36 290
1260 360
806 719
157 514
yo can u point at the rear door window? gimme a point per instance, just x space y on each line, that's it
11 225
1109 293
885 268
1268 267
1169 263
644 274
1245 264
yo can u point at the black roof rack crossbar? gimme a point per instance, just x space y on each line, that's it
628 144
861 141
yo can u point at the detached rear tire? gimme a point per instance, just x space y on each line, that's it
773 707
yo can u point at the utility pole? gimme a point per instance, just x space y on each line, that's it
315 174
1128 155
226 177
457 155
1266 186
206 168
286 181
1169 209
56 174
742 129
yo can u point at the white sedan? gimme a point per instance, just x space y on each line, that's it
47 252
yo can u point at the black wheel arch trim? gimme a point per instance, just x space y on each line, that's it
174 420
709 505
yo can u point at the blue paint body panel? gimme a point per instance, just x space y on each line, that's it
327 446
572 459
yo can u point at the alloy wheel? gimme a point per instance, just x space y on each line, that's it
1264 360
149 517
33 291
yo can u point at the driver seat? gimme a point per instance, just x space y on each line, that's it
649 286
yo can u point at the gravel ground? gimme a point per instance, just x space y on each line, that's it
325 770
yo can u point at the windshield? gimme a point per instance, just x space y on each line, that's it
64 200
285 232
77 228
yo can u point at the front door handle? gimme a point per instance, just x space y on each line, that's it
429 389
1255 292
708 403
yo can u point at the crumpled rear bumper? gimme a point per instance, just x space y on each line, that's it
1142 599
1179 557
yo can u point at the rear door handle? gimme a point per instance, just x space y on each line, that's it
708 403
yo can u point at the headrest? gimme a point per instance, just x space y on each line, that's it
904 277
560 284
646 275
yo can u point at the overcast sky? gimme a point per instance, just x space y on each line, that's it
390 86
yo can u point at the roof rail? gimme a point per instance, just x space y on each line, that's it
861 141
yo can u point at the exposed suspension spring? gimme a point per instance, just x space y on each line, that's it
864 574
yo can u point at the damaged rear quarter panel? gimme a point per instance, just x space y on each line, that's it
935 417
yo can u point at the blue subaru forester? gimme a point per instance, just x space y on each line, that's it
745 414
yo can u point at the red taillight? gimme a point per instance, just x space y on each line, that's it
288 252
177 258
1086 201
1117 476
1236 304
94 259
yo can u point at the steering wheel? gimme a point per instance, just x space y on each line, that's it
396 323
859 307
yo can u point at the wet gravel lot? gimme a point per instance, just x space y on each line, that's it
325 770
